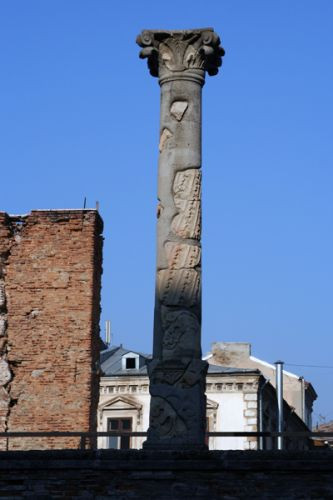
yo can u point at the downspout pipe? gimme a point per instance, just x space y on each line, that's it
261 412
303 398
279 396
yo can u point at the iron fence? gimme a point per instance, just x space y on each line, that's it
92 436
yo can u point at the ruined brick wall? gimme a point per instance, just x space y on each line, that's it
5 374
50 269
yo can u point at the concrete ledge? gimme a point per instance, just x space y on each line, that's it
142 474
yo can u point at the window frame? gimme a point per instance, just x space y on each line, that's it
119 440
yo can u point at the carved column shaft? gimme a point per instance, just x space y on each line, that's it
177 373
179 220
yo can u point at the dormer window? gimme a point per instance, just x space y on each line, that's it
130 361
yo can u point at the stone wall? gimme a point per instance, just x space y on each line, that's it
122 475
50 269
5 373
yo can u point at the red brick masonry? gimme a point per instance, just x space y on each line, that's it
50 274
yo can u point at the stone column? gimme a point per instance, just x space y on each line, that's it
177 373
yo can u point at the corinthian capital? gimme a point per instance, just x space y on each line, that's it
171 52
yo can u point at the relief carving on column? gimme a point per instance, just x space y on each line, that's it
184 374
175 390
181 333
177 51
177 373
187 185
179 287
164 420
187 224
182 255
187 199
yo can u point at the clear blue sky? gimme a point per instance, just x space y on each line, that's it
79 118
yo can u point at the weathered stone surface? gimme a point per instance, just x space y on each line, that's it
6 240
182 255
177 51
187 196
179 59
3 324
52 285
165 135
3 345
5 375
176 411
178 109
2 296
180 287
187 224
187 199
4 398
181 333
187 186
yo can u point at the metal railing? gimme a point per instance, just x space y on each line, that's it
84 436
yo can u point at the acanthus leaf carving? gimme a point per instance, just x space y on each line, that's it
181 50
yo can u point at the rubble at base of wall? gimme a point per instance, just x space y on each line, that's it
138 474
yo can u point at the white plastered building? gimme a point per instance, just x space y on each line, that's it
238 399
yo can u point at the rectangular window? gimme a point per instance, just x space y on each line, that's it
130 363
122 425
